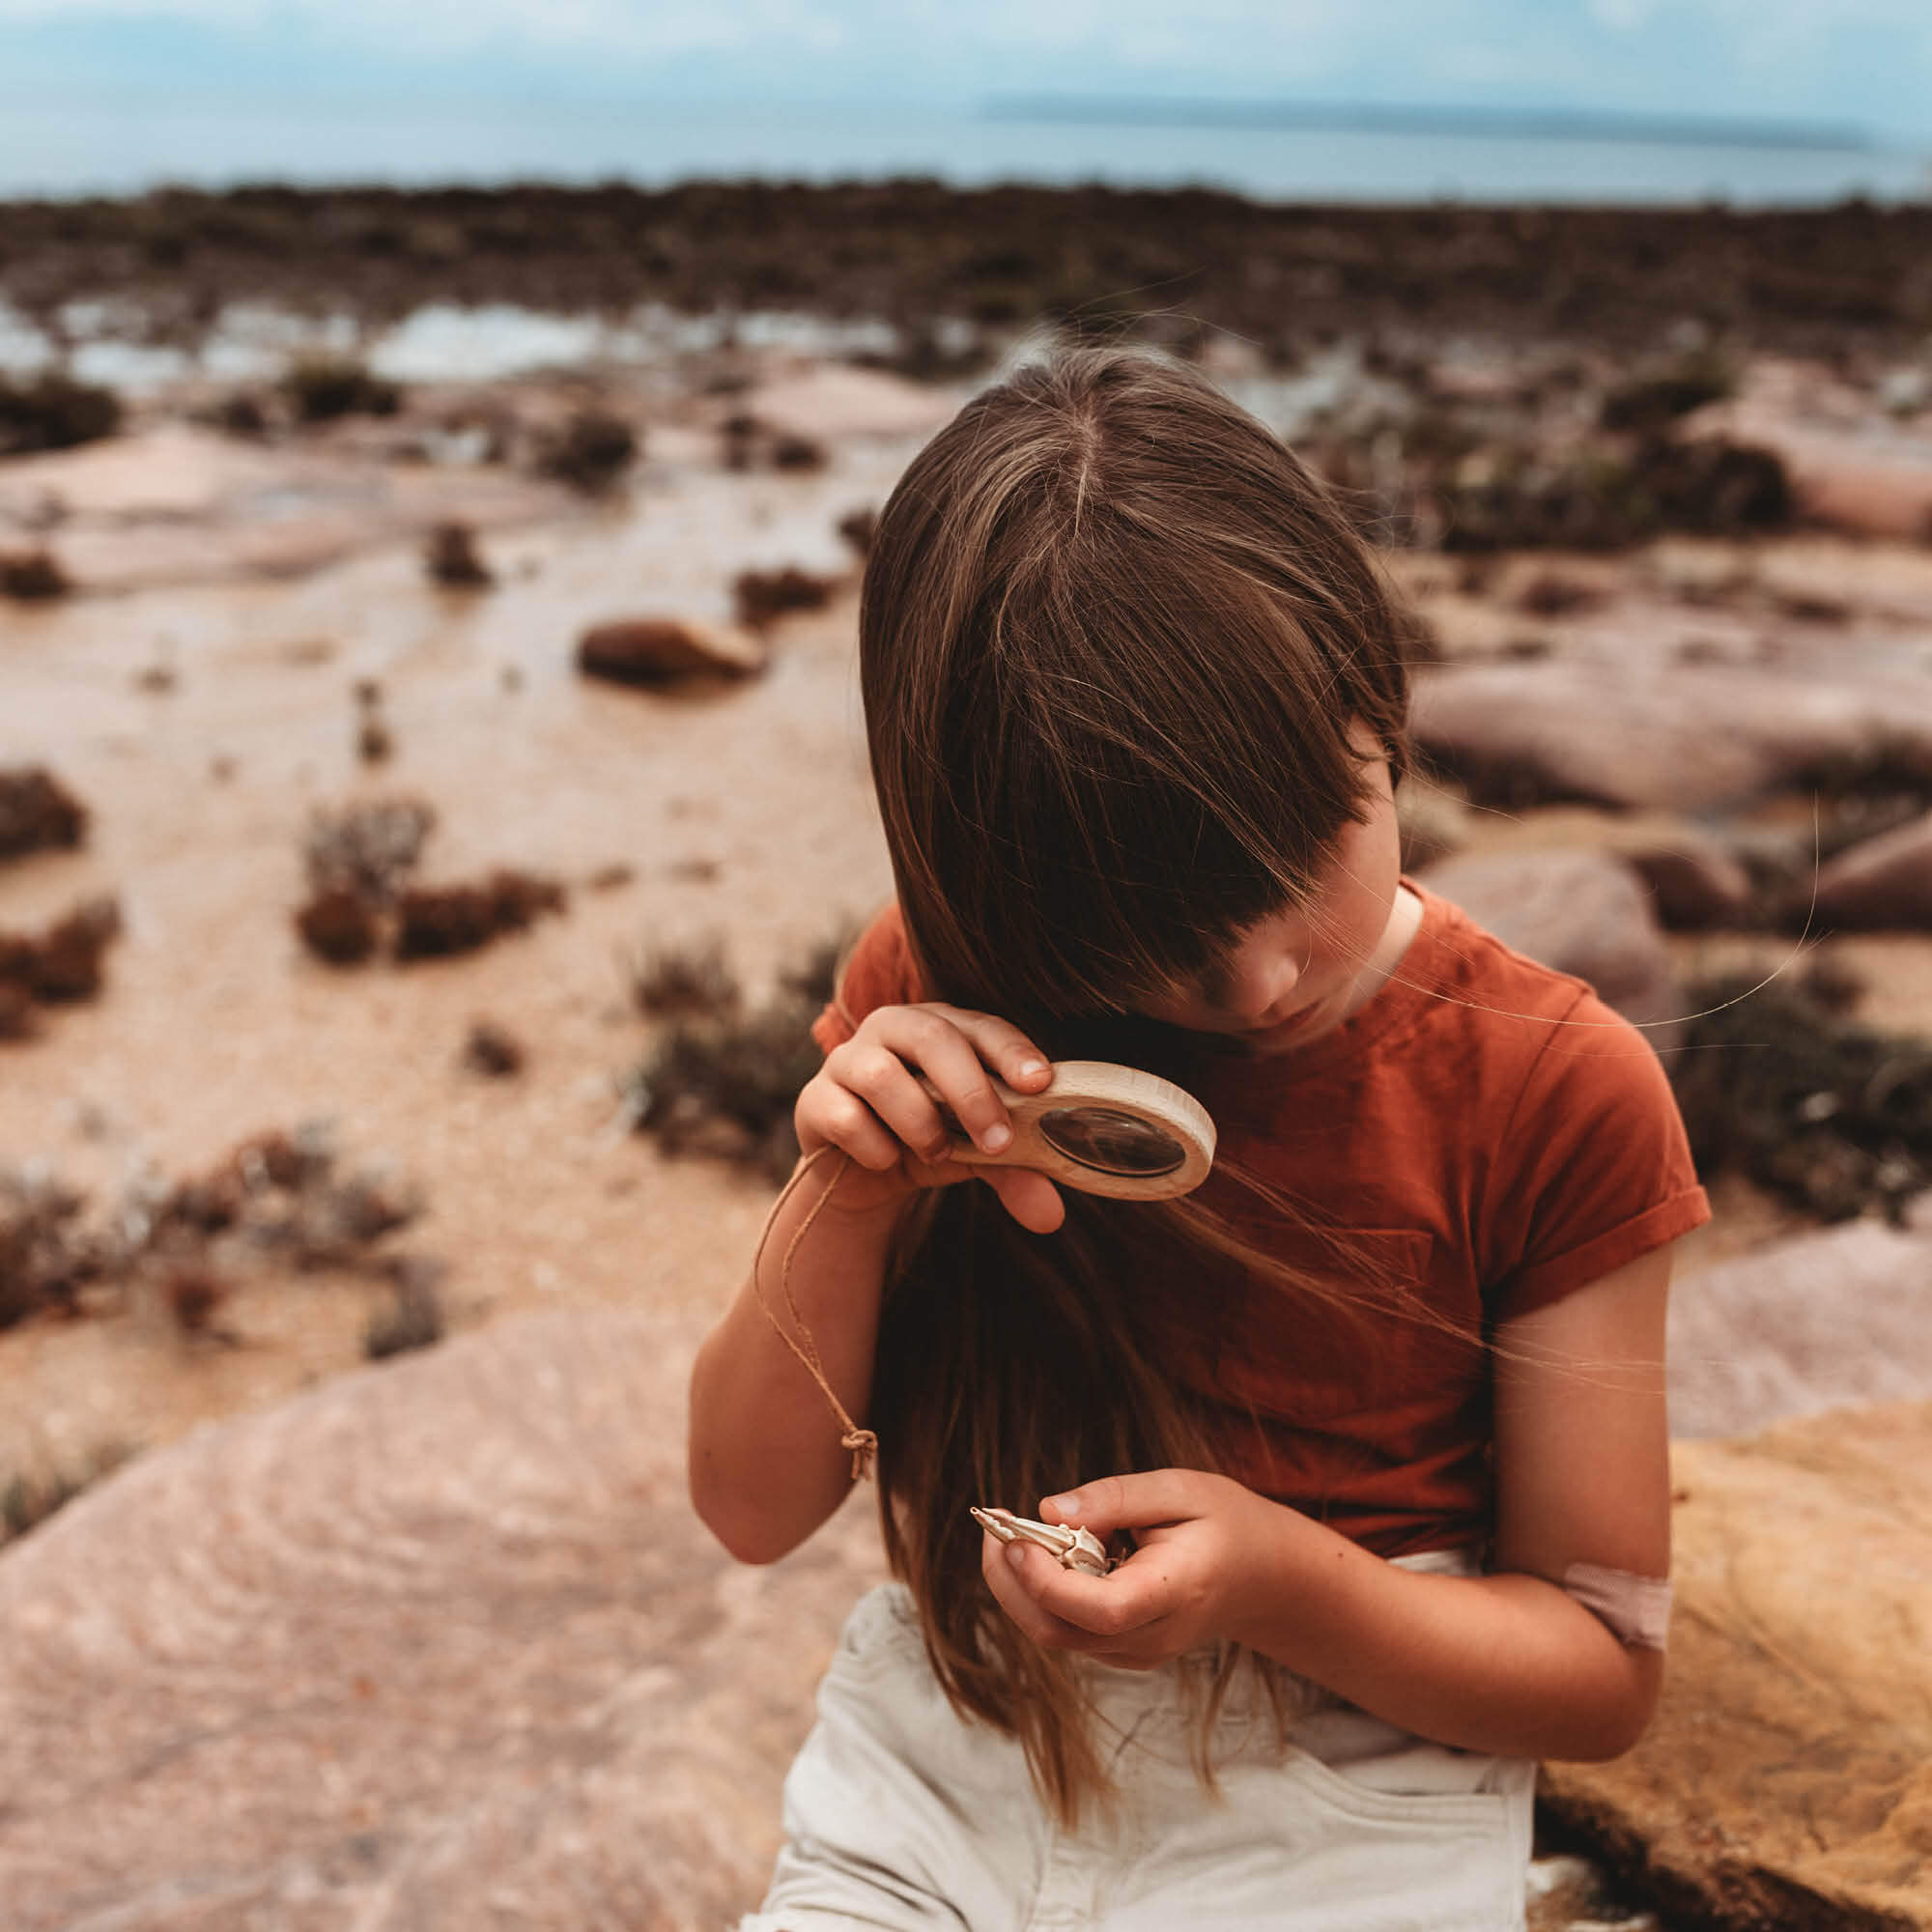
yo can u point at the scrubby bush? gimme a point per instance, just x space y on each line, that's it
590 452
32 576
323 389
53 411
38 813
725 1084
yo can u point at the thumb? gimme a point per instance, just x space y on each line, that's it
1135 1501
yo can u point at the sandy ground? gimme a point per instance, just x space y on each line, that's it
746 813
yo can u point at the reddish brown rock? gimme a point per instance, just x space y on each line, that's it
32 576
339 925
659 651
59 965
68 965
761 597
453 560
1695 880
1786 1782
437 921
1880 884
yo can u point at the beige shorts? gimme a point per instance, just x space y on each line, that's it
899 1814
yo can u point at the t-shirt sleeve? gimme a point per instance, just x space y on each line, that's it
1595 1167
878 972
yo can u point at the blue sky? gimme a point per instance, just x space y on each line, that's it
1867 63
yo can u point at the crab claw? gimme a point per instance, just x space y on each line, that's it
1074 1549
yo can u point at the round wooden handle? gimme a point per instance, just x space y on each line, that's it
1104 1129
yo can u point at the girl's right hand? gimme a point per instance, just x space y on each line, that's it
867 1102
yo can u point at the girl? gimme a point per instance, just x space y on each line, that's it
1379 1410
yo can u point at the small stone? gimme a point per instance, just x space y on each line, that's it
659 651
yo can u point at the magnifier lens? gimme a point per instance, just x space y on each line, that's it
1110 1141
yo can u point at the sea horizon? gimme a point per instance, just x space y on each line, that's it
122 146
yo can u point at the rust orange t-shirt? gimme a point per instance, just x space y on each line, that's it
1483 1132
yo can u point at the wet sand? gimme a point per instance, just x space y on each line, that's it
746 811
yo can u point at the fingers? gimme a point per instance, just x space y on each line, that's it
912 1077
1105 1617
1031 1198
883 1066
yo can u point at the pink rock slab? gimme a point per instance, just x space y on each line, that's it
174 504
1674 737
830 400
438 1644
1848 468
1815 1322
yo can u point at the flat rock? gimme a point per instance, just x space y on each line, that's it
1849 467
1695 880
438 1644
1800 1325
1695 873
833 400
1584 913
1883 883
659 651
1674 737
174 504
1786 1782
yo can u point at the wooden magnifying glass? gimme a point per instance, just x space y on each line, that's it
1104 1129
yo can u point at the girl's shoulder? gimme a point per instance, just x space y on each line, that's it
1460 956
1533 1024
1585 1162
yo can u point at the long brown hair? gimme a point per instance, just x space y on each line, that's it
1115 640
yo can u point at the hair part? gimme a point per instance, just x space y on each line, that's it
1114 639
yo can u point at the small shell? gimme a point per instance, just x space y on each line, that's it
1075 1548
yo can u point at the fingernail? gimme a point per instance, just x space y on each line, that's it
1031 1066
1063 1506
995 1138
1016 1555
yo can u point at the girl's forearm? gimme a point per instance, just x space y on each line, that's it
764 1461
1505 1664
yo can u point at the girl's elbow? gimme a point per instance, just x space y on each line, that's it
748 1535
1618 1723
1602 1741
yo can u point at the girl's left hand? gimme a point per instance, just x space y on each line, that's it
1203 1543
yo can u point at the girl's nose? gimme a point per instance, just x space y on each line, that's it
1265 983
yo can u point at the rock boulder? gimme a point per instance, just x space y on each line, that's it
655 652
1675 737
1786 1782
1811 1322
438 1644
1880 884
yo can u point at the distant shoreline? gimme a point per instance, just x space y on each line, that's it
931 261
1369 117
